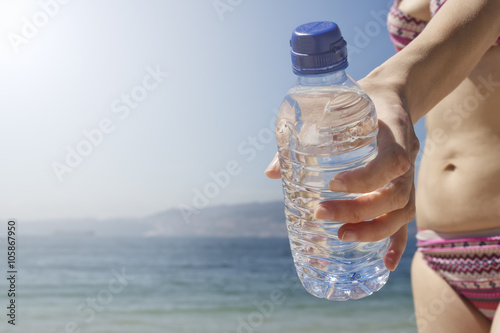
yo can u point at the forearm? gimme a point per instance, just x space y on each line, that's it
443 55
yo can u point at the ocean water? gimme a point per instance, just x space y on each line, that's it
181 285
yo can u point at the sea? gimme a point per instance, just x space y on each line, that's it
71 283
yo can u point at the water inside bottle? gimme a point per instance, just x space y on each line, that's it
322 131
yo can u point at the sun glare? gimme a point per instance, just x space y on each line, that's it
12 13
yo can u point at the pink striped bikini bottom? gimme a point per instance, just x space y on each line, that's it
470 265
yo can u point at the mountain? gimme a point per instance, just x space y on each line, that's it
242 220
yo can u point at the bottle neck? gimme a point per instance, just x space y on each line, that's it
328 79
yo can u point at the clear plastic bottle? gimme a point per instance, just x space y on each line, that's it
326 125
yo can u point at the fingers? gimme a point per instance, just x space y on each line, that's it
392 161
396 248
393 196
393 225
273 170
380 227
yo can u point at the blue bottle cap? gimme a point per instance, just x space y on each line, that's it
317 48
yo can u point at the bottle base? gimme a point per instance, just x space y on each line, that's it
340 291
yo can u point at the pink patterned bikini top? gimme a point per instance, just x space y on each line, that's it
404 28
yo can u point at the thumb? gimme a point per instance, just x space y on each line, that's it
273 170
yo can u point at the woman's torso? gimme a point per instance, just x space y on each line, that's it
459 179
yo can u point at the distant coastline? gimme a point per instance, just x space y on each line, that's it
261 220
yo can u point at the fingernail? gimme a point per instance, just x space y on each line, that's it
391 260
272 164
337 185
348 236
404 164
394 264
321 213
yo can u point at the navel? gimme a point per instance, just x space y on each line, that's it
450 167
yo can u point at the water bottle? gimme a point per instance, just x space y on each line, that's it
326 125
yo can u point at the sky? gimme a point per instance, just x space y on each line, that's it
126 108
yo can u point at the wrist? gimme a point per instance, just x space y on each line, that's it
388 85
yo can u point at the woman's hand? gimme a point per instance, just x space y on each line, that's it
386 182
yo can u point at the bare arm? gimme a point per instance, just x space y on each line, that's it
404 89
443 55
